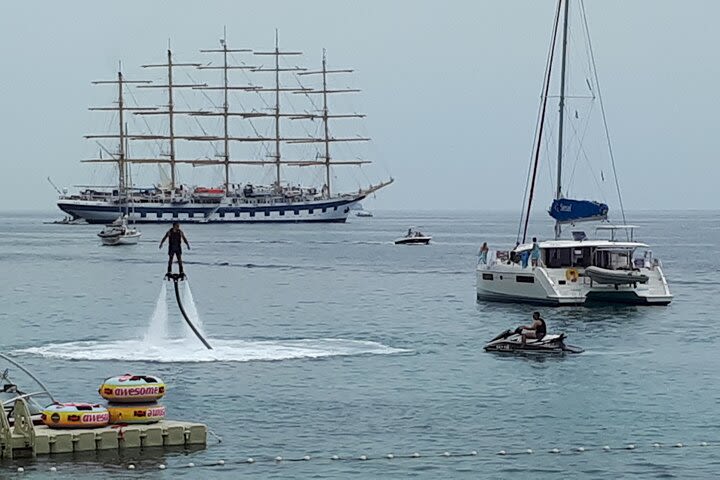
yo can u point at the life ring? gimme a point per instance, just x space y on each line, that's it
136 413
132 388
75 415
571 274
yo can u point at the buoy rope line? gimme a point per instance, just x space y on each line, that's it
279 460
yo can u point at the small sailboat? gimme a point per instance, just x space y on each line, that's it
413 237
119 233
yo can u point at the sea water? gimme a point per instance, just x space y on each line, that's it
330 340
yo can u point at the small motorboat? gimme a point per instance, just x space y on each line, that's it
413 237
363 213
510 341
119 233
615 277
67 220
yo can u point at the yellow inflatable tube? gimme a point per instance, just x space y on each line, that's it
136 413
132 388
75 415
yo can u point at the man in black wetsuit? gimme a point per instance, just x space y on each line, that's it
536 330
174 236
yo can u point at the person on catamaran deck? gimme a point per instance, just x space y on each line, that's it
483 253
535 253
537 329
175 236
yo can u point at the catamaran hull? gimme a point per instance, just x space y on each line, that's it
543 287
327 211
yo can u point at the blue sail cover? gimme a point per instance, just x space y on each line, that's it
565 210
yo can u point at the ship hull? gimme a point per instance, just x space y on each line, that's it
229 211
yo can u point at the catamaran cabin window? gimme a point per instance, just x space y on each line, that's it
614 259
567 257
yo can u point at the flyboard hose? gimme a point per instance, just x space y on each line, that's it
176 277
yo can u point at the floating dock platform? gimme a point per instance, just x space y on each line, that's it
24 438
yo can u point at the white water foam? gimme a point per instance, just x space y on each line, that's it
184 350
191 309
158 327
168 342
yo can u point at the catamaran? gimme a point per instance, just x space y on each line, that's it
612 267
233 201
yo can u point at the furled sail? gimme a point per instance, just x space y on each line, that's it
566 210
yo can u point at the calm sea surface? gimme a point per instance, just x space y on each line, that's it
332 341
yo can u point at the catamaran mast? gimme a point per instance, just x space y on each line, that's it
558 191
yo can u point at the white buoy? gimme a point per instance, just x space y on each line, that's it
502 452
446 454
21 469
631 446
131 467
278 458
529 451
250 460
679 445
221 462
390 456
581 449
416 455
334 457
554 450
53 469
191 464
161 466
363 457
473 453
703 444
306 457
606 448
656 445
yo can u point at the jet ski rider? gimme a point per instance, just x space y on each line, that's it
536 330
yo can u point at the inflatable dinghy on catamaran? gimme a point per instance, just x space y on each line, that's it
510 341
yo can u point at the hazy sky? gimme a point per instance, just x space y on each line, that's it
451 89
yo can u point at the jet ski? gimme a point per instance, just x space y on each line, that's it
510 341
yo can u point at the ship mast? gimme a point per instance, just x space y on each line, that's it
170 112
226 104
276 158
121 156
325 116
558 191
277 53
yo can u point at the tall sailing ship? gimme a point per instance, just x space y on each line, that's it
234 201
